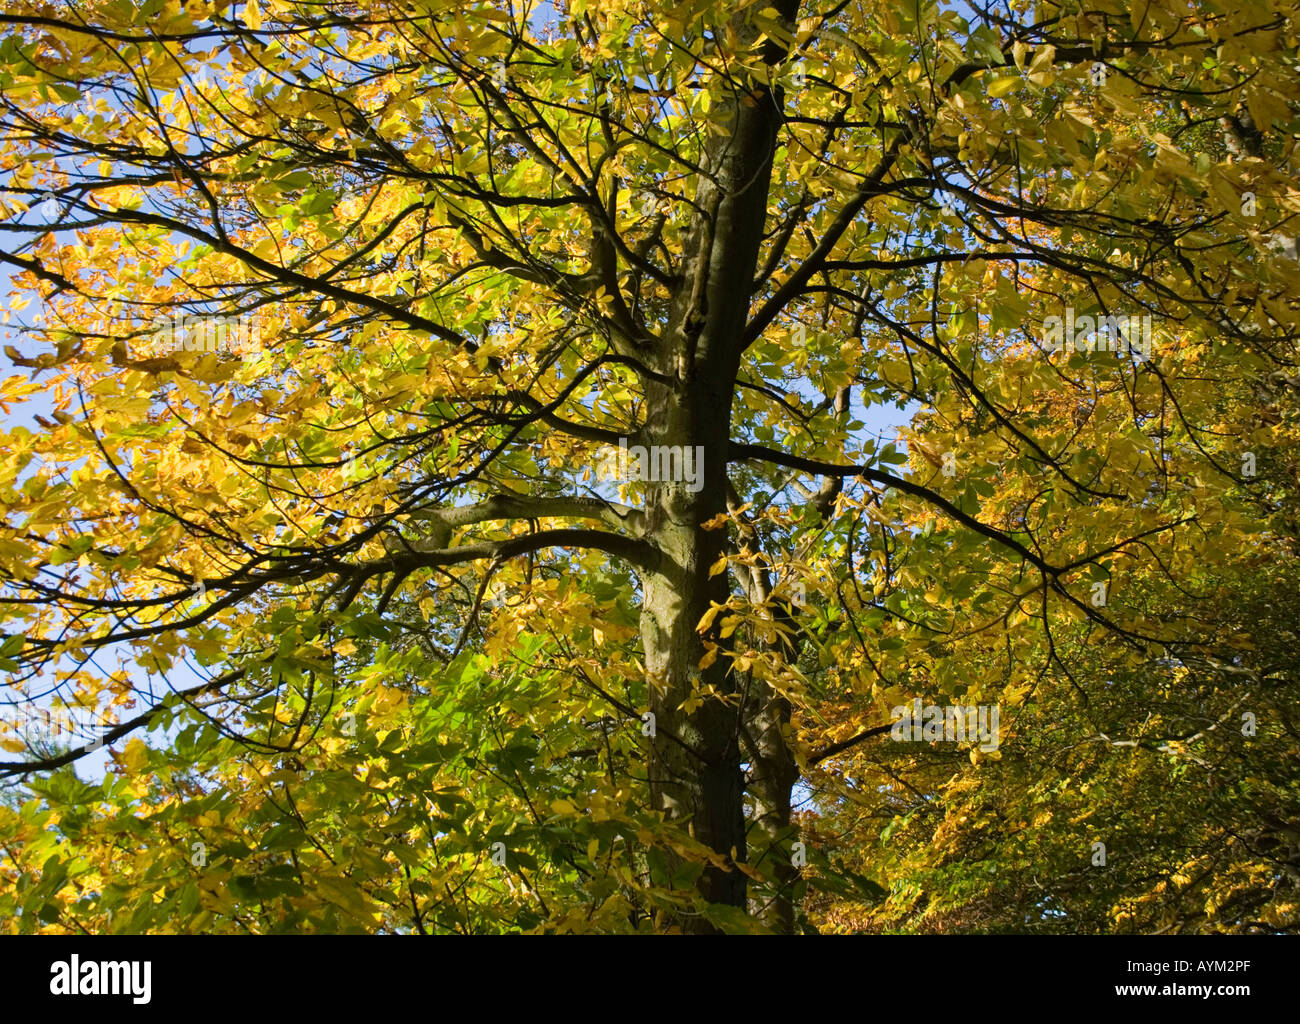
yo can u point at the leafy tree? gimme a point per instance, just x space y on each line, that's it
341 539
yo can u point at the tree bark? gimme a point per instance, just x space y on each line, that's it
773 775
700 352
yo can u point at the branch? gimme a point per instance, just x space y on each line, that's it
842 745
638 552
19 768
518 506
818 468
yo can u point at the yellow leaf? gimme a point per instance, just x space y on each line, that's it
896 371
252 15
1001 86
719 565
707 619
135 756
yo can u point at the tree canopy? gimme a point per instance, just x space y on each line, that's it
528 466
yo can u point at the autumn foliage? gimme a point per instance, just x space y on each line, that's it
325 318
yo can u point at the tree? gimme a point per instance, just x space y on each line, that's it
482 248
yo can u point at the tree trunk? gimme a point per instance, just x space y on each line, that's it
773 774
695 768
700 352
